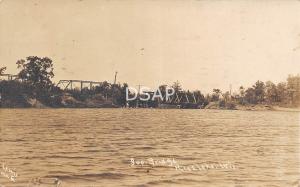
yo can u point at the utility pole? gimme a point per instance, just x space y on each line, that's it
115 80
113 87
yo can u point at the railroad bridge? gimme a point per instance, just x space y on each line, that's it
9 77
69 84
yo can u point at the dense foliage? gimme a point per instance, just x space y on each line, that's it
34 82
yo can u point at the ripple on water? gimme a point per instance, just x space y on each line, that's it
94 146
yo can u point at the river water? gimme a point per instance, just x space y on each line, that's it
128 147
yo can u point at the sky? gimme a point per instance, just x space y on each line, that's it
202 44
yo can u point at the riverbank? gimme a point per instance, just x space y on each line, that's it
251 107
62 101
278 108
20 95
68 101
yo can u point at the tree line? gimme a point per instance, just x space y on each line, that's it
34 80
284 93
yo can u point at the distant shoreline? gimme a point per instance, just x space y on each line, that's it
258 107
38 91
287 109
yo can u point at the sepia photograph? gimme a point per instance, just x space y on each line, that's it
149 93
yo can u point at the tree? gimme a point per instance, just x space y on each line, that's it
293 86
242 95
216 94
2 70
163 90
177 87
259 89
242 91
199 97
122 97
105 88
119 95
282 92
250 96
216 91
226 96
36 71
271 92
